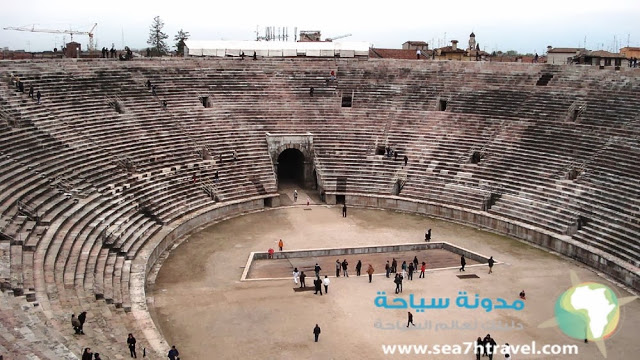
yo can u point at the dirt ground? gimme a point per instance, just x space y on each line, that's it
200 305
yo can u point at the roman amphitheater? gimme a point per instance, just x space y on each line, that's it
152 208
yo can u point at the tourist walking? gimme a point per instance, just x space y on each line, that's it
358 267
302 277
131 341
491 262
316 332
317 269
87 354
411 268
326 283
396 280
387 268
82 318
423 267
344 210
415 262
463 262
317 284
370 272
280 244
410 319
345 272
338 267
479 348
296 276
394 265
173 353
75 324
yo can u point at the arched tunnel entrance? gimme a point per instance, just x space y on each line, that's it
291 167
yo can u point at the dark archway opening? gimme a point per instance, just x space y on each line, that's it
291 167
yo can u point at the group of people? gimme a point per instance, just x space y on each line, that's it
463 263
106 53
78 324
87 354
406 271
389 152
299 276
487 346
20 88
633 62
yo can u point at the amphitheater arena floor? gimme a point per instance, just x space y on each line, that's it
201 306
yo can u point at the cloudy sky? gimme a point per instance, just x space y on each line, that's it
525 26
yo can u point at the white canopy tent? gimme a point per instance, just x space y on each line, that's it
224 48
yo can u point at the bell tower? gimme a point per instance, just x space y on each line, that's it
472 41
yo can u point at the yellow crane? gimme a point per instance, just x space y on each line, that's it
32 28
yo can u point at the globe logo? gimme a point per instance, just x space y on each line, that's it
588 311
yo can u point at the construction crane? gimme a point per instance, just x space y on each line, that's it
32 28
337 37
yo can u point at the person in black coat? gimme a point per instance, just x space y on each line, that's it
317 283
479 348
463 262
86 355
302 277
316 332
358 267
82 318
410 319
173 353
131 341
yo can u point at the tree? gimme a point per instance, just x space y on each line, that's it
157 38
180 38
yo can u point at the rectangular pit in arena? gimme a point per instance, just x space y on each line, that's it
437 255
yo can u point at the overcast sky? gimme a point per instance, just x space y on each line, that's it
525 26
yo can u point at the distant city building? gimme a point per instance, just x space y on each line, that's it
450 52
630 52
415 45
600 58
562 55
72 50
405 54
310 36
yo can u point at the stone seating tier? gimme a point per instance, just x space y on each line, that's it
109 170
